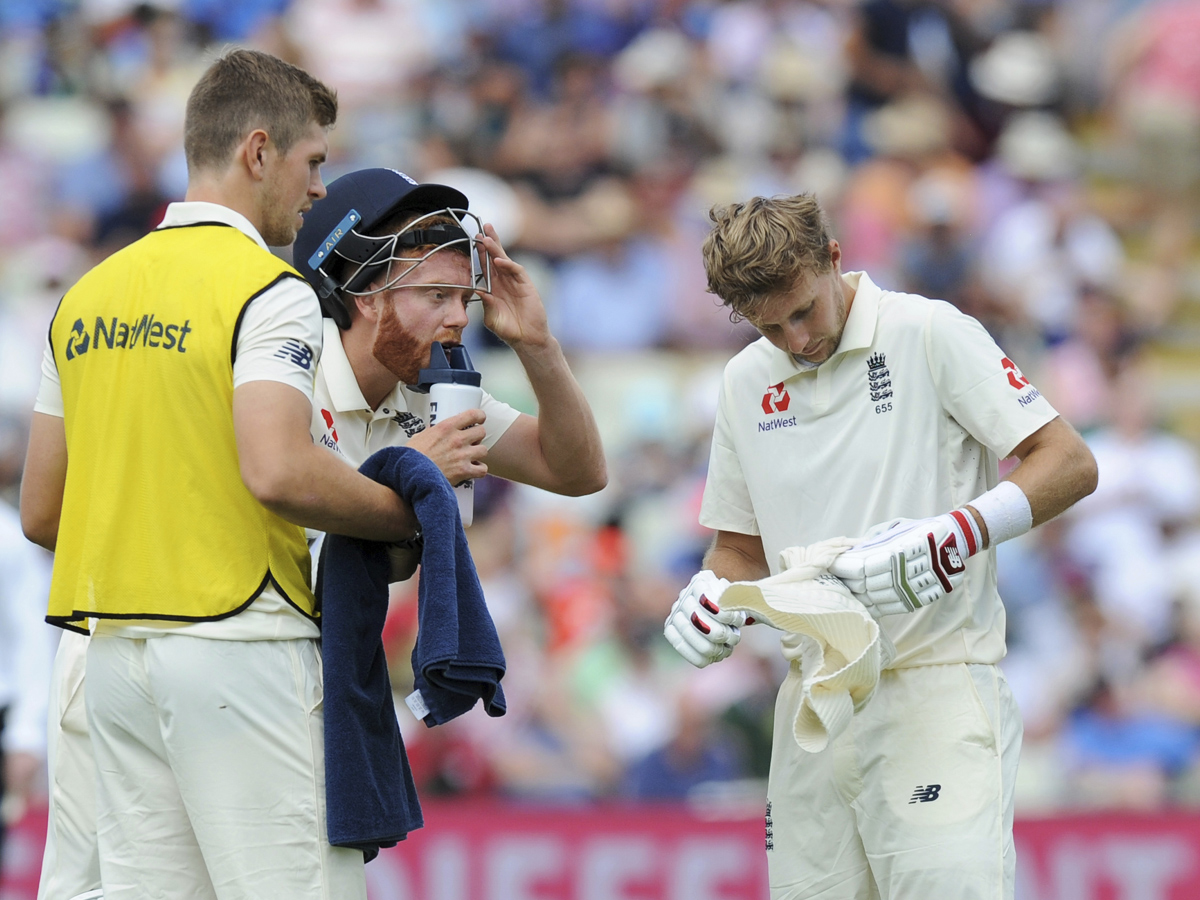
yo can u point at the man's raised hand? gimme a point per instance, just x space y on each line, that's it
513 309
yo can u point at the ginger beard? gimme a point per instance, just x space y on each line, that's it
399 350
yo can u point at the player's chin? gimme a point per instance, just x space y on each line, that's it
814 359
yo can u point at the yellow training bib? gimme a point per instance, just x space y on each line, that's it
156 521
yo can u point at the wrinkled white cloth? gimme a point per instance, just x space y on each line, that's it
834 645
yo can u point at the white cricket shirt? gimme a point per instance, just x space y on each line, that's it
908 418
344 422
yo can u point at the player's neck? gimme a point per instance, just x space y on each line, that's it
374 379
225 191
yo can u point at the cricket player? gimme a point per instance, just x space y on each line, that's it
867 412
392 324
400 278
171 468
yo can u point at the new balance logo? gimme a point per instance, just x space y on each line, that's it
297 352
953 558
926 793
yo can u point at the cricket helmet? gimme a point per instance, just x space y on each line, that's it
336 252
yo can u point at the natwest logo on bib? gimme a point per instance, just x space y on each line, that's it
776 399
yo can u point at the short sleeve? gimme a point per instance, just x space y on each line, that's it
979 385
49 395
726 505
280 337
500 417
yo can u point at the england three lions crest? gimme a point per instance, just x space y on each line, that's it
879 378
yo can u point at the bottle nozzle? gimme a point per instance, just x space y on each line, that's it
455 368
460 359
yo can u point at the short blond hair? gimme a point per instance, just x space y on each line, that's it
761 248
248 89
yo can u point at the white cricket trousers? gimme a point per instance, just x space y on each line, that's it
211 774
914 801
71 864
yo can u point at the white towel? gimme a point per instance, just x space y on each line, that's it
840 648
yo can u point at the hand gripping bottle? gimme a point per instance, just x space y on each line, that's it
453 387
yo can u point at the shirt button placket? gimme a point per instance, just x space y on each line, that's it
821 389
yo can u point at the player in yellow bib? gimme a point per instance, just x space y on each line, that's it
175 486
863 411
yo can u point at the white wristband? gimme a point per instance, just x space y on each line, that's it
1006 512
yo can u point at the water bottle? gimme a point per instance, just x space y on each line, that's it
453 387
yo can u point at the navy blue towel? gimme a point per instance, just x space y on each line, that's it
370 795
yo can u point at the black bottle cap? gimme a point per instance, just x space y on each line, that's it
454 369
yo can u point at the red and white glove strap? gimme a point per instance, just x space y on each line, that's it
966 529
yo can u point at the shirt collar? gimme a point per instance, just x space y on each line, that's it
340 381
857 335
344 392
193 212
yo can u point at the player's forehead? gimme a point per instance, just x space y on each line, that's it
779 307
313 145
421 265
445 271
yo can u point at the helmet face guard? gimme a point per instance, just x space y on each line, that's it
386 260
338 255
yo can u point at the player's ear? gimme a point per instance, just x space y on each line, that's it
835 253
251 152
368 307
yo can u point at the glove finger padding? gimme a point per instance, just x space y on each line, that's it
706 621
699 630
698 658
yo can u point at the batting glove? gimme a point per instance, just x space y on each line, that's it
911 563
697 628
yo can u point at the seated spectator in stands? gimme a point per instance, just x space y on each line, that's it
698 753
1149 483
1077 374
1121 756
612 297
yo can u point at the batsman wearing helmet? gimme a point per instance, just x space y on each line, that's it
862 411
396 265
406 262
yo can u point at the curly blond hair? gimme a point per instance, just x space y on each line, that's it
758 249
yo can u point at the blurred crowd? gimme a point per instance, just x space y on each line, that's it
1035 163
